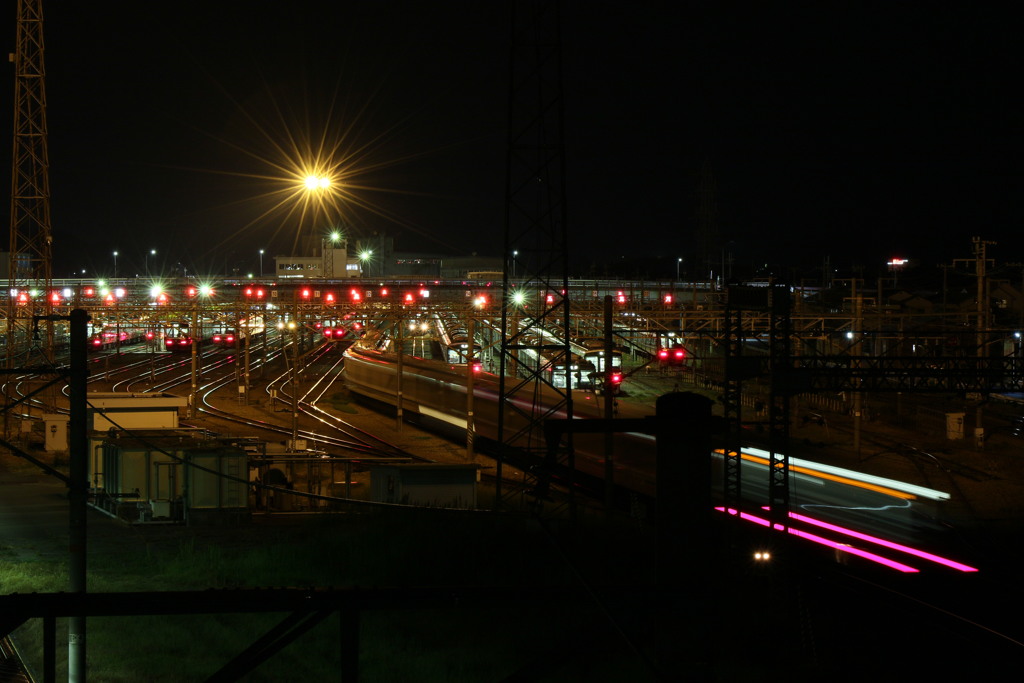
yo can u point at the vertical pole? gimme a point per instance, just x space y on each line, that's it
77 489
49 649
609 404
683 512
295 387
248 336
982 273
197 335
399 348
683 466
349 636
470 361
855 351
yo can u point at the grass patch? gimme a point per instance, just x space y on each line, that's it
394 548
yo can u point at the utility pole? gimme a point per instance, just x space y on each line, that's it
29 265
981 329
535 230
470 368
981 271
399 349
855 351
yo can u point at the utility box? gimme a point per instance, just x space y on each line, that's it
112 410
56 437
438 485
954 426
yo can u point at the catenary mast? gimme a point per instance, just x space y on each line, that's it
29 259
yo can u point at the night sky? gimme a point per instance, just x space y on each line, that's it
857 134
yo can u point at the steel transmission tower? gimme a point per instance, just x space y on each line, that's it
535 351
30 270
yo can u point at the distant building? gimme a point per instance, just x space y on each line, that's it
375 257
325 259
330 264
456 268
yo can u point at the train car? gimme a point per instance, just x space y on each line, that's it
596 359
434 393
180 343
251 327
672 355
223 339
110 337
335 330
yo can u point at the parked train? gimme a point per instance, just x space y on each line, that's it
110 337
434 393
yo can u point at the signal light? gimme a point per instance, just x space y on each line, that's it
477 367
668 299
620 297
306 293
614 383
191 291
674 356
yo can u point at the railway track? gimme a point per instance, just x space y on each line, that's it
12 669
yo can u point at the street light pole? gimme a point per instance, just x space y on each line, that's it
115 265
678 262
261 263
152 252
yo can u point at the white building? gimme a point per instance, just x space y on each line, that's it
331 263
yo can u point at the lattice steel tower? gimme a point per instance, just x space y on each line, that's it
30 270
535 351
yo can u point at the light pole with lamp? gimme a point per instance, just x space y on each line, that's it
679 262
261 263
115 265
364 258
152 252
327 247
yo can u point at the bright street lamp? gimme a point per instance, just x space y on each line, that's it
314 182
115 264
678 262
152 252
261 263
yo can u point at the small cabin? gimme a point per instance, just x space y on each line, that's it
150 478
438 485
